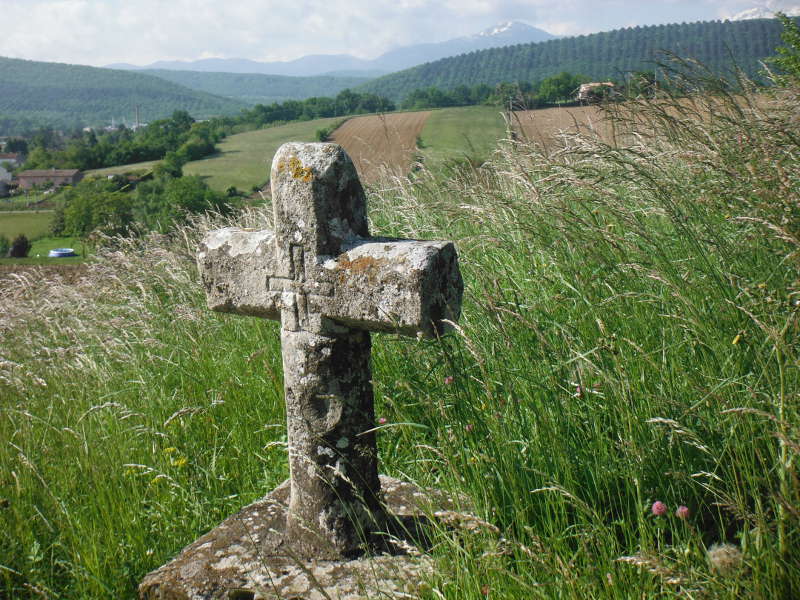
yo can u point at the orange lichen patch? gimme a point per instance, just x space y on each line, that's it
362 265
296 169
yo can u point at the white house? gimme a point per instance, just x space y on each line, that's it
8 162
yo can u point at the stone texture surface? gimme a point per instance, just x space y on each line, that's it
246 556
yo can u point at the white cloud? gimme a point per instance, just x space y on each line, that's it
765 9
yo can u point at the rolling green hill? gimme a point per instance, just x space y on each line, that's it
258 88
607 55
243 159
38 94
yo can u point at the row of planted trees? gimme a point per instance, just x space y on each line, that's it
558 89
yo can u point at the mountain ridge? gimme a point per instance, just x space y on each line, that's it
257 88
507 33
62 95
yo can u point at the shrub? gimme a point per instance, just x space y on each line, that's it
5 244
322 134
19 247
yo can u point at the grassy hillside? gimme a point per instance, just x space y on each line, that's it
121 169
61 95
32 224
256 88
599 56
244 159
619 404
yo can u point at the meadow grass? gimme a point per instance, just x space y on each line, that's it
467 132
629 335
244 159
123 169
32 224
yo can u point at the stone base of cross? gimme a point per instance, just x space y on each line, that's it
329 284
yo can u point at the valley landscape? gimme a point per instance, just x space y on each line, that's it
616 409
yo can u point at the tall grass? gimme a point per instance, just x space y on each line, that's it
629 335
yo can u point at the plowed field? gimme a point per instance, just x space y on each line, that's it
380 144
546 125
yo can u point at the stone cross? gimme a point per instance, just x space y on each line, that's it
330 284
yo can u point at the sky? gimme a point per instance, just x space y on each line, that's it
101 32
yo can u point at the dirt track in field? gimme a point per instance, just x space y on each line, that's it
381 144
545 126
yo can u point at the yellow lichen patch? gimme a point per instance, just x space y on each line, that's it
297 170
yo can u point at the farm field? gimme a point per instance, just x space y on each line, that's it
32 224
545 126
244 159
465 132
142 166
382 143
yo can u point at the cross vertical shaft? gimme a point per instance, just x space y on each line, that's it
334 503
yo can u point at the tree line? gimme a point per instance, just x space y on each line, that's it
179 138
91 149
345 103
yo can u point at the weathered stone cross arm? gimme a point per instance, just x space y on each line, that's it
374 284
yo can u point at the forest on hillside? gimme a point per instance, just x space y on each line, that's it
39 94
720 45
257 88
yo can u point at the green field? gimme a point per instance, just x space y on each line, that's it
244 159
32 224
35 225
122 169
466 132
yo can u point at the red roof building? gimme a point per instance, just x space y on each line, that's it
44 177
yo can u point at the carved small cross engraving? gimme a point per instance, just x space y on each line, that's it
330 284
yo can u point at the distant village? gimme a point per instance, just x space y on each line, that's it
14 181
